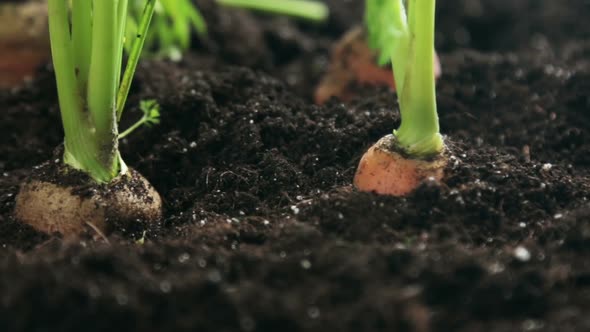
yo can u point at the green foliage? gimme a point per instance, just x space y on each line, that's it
151 111
304 9
151 116
175 20
87 51
172 26
403 32
383 34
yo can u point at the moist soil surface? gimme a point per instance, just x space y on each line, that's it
262 230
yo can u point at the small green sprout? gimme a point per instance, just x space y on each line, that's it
404 35
151 116
87 47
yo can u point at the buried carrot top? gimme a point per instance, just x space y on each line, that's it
87 48
404 35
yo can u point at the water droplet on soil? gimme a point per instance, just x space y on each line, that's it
313 312
183 258
306 264
522 254
165 286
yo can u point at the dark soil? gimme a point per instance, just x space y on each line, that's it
262 230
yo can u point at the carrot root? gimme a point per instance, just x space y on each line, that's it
385 171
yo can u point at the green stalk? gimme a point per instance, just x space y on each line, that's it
102 85
80 150
400 44
195 17
419 131
180 21
82 39
122 10
310 10
87 63
134 126
134 56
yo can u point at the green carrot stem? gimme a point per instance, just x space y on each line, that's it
134 56
419 130
80 148
82 39
310 10
103 80
133 127
122 10
87 58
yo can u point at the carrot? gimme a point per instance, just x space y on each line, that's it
385 170
398 163
69 206
22 53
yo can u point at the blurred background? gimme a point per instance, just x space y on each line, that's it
555 28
